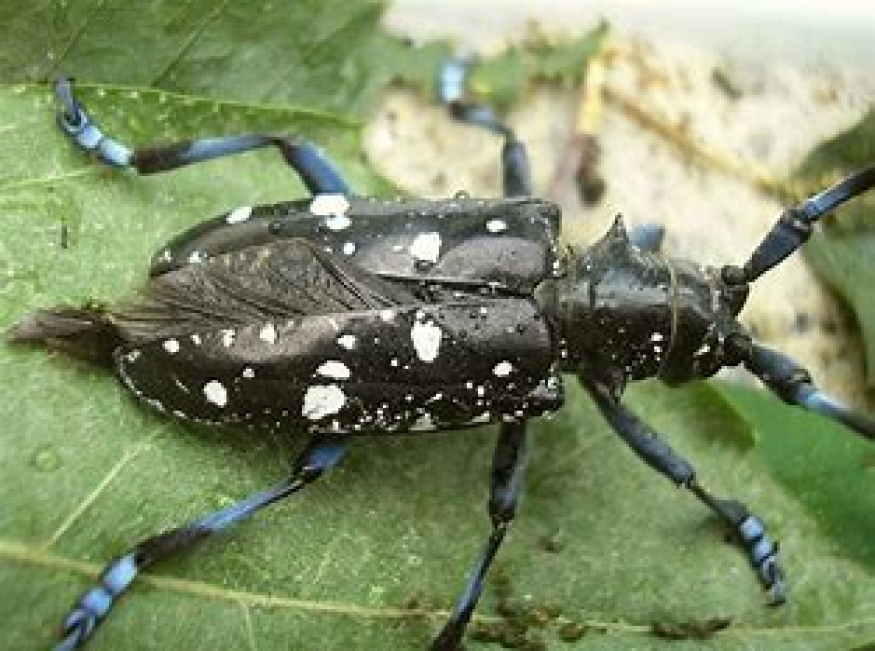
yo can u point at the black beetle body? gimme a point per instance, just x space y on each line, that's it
339 316
376 316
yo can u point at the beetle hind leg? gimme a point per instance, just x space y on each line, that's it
762 551
508 469
117 577
316 171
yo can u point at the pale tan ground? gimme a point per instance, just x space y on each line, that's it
714 217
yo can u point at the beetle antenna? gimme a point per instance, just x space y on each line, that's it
795 225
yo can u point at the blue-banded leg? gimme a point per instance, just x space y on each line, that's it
316 171
117 577
761 551
508 471
452 92
792 383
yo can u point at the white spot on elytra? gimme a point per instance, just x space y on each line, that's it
347 341
322 400
657 336
337 223
423 423
196 339
387 315
238 215
325 205
216 393
426 338
426 247
196 257
333 207
248 373
349 248
502 369
227 338
334 369
171 346
268 333
496 225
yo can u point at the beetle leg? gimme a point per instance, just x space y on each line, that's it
316 171
792 383
762 552
117 577
452 81
508 469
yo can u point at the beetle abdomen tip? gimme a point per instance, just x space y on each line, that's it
80 332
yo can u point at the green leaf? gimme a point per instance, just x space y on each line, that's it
843 252
502 80
329 55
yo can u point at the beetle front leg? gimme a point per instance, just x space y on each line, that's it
792 383
762 552
316 171
508 470
118 576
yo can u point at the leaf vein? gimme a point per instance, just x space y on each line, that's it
190 41
98 490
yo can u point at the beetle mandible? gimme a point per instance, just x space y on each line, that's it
338 316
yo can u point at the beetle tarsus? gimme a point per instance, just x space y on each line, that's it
78 125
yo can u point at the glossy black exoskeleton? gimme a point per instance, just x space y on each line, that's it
338 316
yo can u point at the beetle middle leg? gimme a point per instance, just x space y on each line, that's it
117 577
452 81
761 550
508 470
516 174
